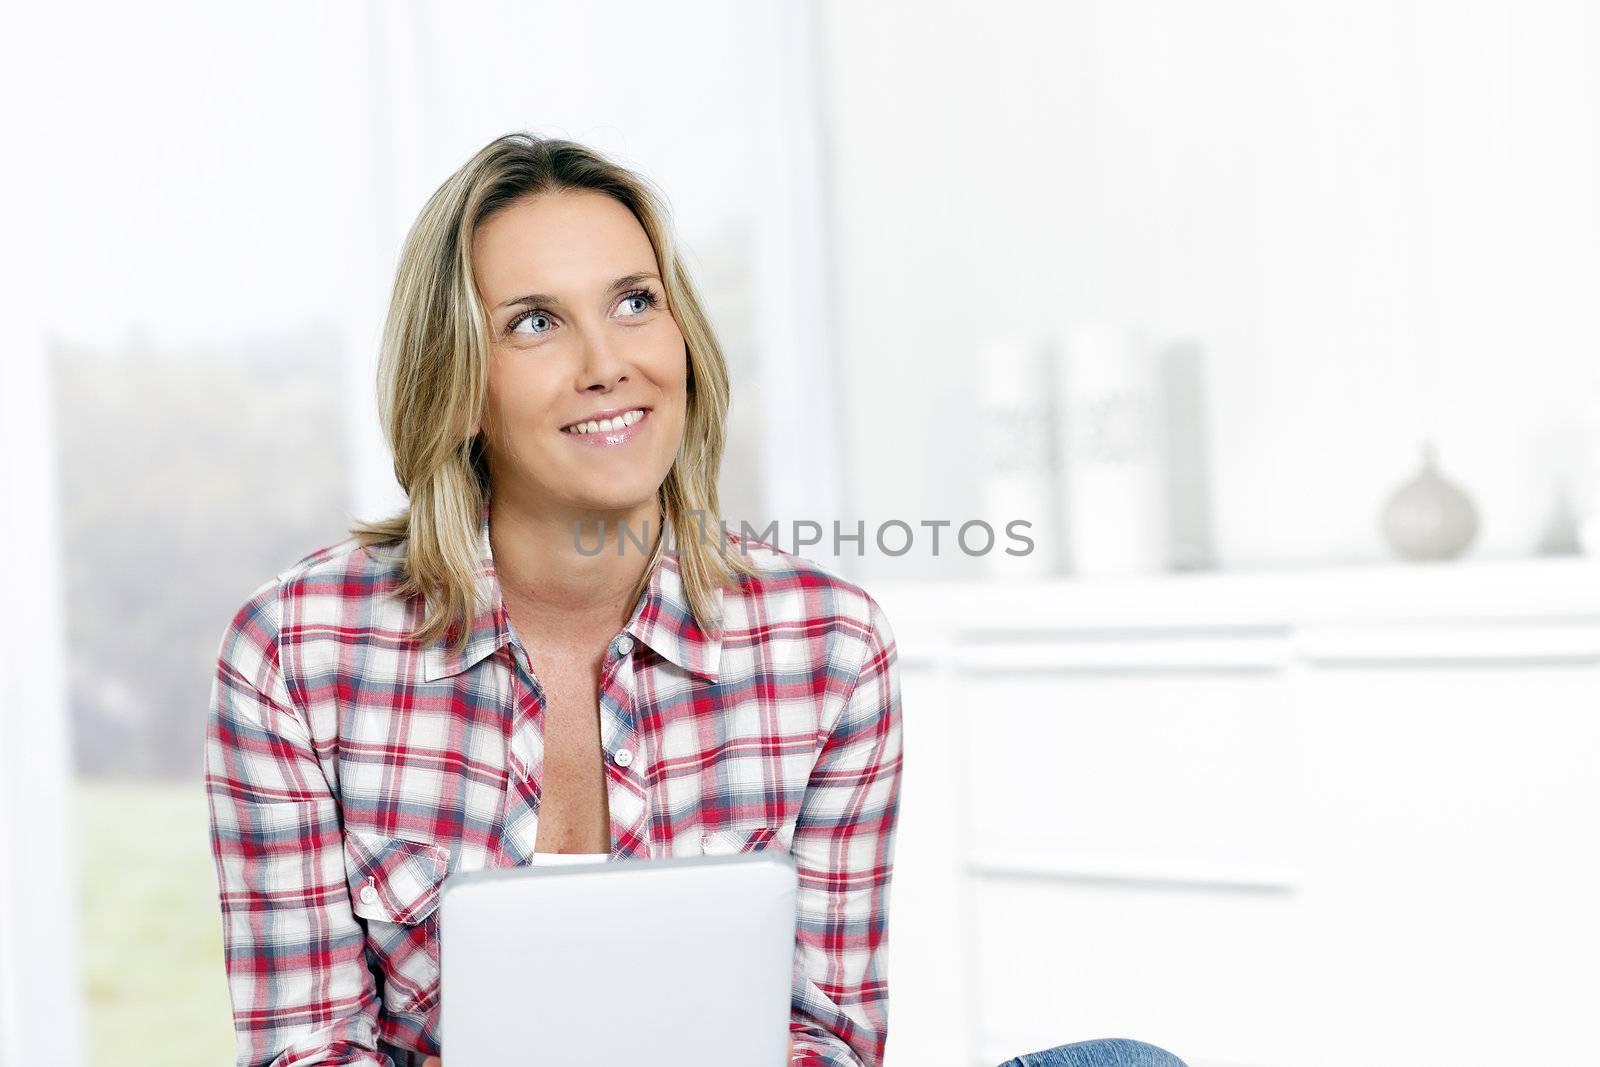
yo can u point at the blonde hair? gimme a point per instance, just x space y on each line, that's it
433 384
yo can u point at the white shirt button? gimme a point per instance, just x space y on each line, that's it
624 645
623 757
369 894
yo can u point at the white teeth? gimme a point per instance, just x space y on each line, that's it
627 418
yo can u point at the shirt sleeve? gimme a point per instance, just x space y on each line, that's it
295 954
843 848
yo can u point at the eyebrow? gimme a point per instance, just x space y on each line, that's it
542 298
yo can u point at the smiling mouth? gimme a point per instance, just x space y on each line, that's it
610 425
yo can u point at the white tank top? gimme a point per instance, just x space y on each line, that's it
560 859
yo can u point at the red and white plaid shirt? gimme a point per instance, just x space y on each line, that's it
349 768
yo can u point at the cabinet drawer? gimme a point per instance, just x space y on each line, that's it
1192 771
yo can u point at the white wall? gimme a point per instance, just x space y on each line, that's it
40 980
40 1016
1377 217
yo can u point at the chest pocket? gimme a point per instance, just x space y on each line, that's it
394 889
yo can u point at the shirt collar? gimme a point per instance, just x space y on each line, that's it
661 619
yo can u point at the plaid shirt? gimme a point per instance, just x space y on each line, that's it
350 768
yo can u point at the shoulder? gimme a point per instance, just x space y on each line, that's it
345 565
325 583
791 591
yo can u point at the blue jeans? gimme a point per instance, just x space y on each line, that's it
1106 1052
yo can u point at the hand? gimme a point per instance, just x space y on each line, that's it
433 1061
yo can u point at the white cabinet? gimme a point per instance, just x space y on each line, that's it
1452 862
1300 819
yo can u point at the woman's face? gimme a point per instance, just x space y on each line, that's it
580 328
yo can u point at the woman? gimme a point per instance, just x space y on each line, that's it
517 668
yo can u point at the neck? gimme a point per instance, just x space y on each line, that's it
554 578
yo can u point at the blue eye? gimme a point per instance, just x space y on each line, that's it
511 327
646 296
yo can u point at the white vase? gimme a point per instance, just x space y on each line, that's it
1113 483
1018 461
1187 458
1429 517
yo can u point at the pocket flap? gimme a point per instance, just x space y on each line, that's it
393 879
745 839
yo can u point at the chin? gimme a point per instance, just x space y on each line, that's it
615 501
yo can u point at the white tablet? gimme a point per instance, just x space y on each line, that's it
677 962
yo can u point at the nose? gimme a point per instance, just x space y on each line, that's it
603 367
